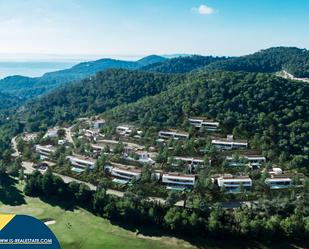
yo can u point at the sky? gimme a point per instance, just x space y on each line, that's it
74 29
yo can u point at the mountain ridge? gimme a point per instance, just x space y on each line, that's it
31 87
291 59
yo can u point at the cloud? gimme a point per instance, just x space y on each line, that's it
203 10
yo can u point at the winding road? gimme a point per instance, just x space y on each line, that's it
14 145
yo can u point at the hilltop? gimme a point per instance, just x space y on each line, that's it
290 59
29 88
294 61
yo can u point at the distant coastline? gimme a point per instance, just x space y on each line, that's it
32 69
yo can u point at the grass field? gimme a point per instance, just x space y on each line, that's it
79 229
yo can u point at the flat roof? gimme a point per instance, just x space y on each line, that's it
230 157
126 126
283 175
49 147
278 179
205 119
188 158
126 167
82 158
231 177
175 132
175 174
120 181
255 156
224 140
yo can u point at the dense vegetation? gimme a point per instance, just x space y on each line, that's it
269 110
96 95
151 59
182 64
7 131
293 60
7 101
279 217
27 87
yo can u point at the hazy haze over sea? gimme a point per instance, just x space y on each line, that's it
35 65
31 69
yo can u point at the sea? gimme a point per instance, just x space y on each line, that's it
35 65
32 69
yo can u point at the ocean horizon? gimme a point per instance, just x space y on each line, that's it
37 65
32 69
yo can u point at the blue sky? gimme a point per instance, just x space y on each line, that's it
132 28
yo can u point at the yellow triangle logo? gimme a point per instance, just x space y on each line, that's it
5 219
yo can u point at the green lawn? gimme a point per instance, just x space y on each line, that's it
80 229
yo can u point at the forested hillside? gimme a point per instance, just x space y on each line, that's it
27 87
290 59
273 112
7 101
96 95
182 64
293 60
151 59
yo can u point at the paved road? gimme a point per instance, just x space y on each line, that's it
292 77
28 166
69 137
14 145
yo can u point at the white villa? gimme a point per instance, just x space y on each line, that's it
233 183
45 151
97 124
189 160
123 173
200 122
51 133
253 160
146 157
256 160
174 134
229 143
275 171
177 181
279 179
128 147
92 134
80 163
97 148
62 142
124 129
